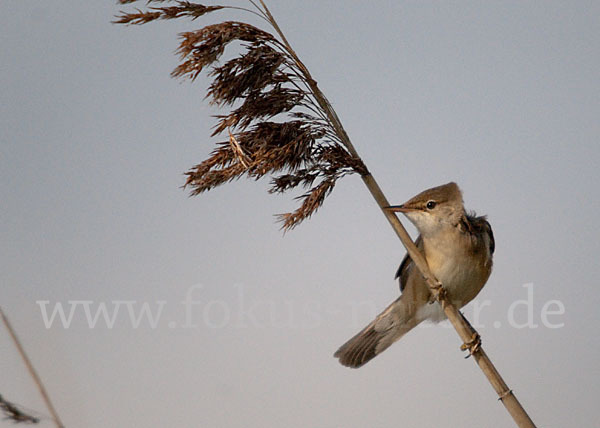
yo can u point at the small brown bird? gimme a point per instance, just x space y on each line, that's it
458 248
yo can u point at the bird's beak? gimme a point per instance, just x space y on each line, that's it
398 208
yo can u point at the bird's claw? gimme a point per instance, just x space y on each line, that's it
472 345
439 292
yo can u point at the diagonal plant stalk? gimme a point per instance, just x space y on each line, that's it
31 370
329 160
464 329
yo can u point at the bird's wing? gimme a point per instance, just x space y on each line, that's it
477 226
488 229
406 263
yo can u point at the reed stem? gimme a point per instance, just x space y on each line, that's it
460 324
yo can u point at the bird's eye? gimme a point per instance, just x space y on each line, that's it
431 205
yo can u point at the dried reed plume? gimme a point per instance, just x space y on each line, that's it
276 126
10 409
280 124
13 413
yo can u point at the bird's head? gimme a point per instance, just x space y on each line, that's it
433 209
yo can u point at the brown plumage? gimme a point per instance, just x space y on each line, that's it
458 248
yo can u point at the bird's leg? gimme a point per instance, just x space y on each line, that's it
438 293
474 344
467 322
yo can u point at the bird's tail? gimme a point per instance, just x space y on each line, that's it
389 326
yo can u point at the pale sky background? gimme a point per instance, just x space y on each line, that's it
502 97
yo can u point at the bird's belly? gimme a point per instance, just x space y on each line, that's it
462 283
462 279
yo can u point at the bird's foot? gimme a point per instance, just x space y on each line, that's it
438 292
472 345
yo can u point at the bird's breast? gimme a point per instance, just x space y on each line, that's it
461 270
